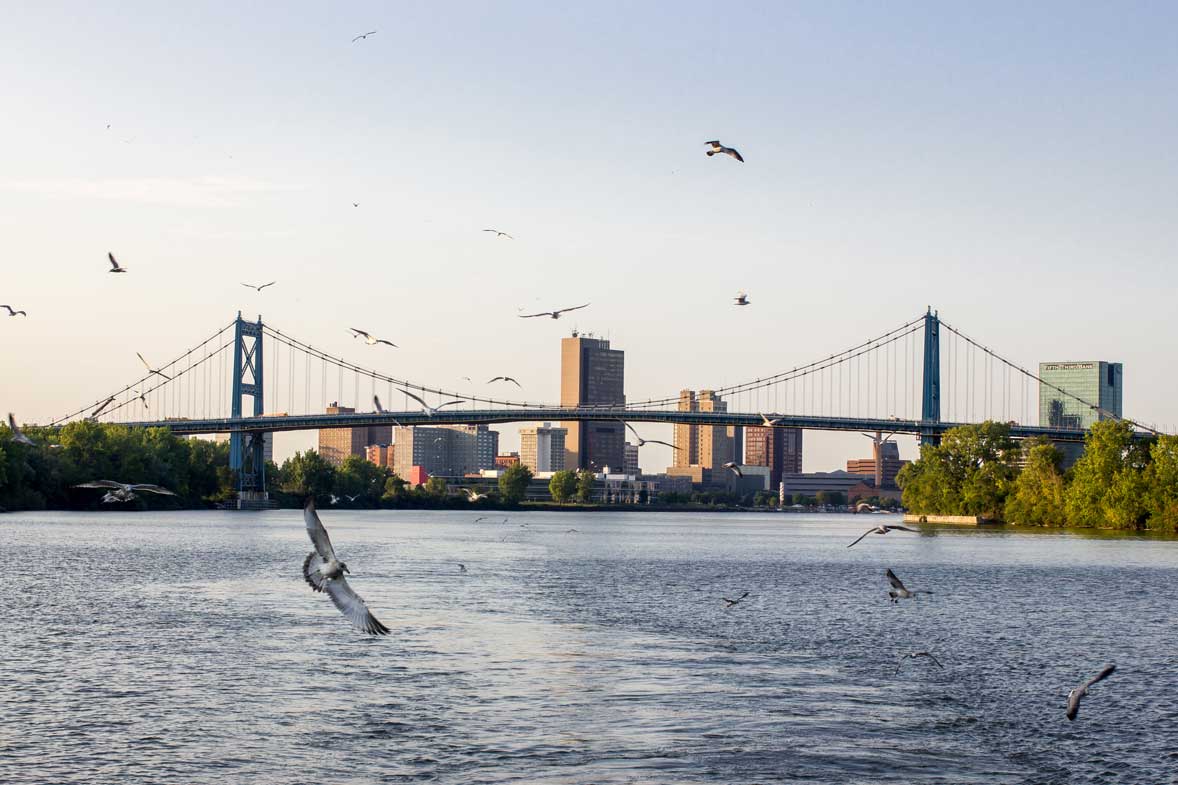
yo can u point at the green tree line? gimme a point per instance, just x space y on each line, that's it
1120 482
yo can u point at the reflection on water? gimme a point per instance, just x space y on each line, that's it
184 647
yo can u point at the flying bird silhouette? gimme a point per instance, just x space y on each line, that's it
1075 695
363 36
371 340
719 148
499 234
554 314
114 266
150 369
741 299
899 591
461 567
17 434
473 495
505 379
731 466
769 423
380 410
124 491
141 397
431 410
323 571
642 442
259 288
883 528
12 312
101 406
915 654
737 601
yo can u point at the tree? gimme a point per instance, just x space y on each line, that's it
308 474
1162 479
513 483
436 487
970 472
357 476
1038 495
394 488
1109 487
585 479
562 486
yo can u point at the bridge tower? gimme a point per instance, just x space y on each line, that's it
246 454
930 409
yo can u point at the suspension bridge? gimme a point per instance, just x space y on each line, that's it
921 378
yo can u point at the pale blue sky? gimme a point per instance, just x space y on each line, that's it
1012 165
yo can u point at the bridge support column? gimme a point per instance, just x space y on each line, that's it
930 409
247 450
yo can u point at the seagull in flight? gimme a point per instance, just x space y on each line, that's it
141 397
768 422
1079 692
899 591
150 369
505 379
371 340
380 410
643 442
432 410
473 495
916 654
737 601
731 465
553 314
323 571
883 528
17 434
499 234
259 288
363 36
719 148
102 406
741 299
114 265
12 312
124 491
461 567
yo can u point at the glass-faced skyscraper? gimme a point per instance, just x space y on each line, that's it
1097 383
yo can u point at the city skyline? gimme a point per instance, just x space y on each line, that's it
214 172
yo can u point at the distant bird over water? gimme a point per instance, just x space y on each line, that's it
1075 695
114 265
150 369
259 288
363 36
12 312
124 491
17 434
899 591
915 654
729 603
323 571
741 299
499 234
883 528
431 410
719 148
554 314
371 340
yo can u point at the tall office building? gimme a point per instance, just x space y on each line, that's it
336 444
542 449
448 450
709 446
882 467
592 373
778 448
1095 382
631 460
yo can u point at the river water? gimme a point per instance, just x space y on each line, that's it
185 648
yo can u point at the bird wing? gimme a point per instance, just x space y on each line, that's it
113 264
316 532
715 144
449 403
513 381
896 582
263 286
350 605
414 397
735 154
1104 674
249 286
376 403
151 489
313 571
145 364
496 379
932 657
665 444
630 427
102 406
111 484
896 526
390 343
574 308
861 536
533 315
359 332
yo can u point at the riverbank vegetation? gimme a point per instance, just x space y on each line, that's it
1120 482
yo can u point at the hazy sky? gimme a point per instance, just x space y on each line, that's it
1012 165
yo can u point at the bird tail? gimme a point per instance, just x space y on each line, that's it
709 153
312 571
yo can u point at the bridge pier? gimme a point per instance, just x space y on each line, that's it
930 408
246 455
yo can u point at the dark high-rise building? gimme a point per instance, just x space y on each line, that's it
335 444
778 448
592 373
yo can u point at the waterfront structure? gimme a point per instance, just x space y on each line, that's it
780 449
1097 382
542 449
830 482
450 450
592 373
630 460
882 467
336 444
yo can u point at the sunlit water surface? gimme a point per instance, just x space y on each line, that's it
185 648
